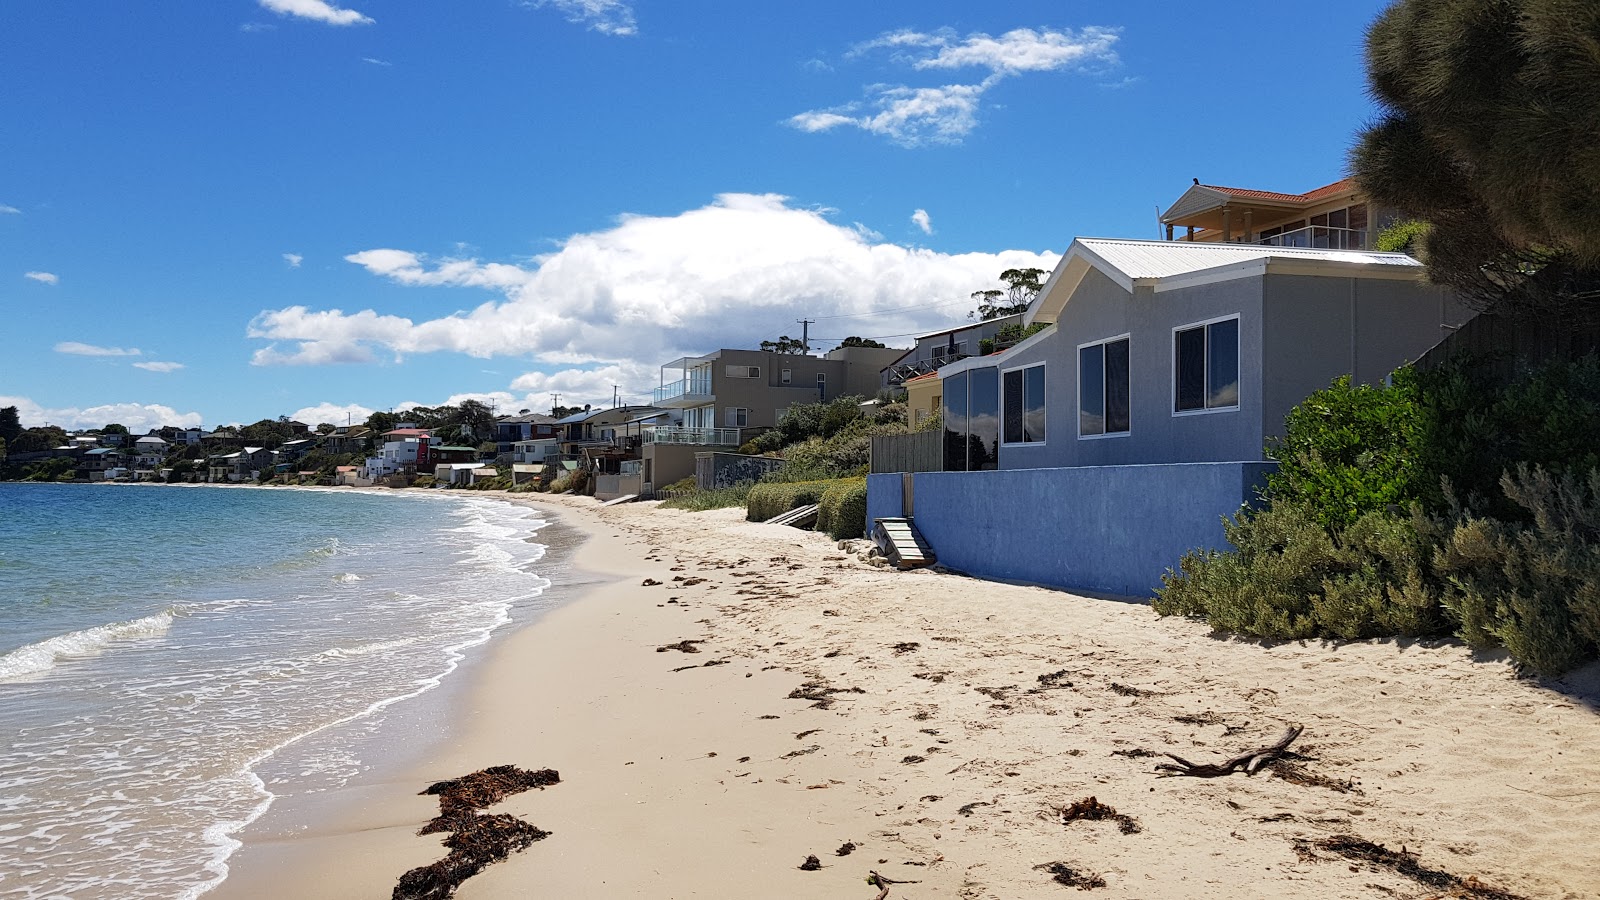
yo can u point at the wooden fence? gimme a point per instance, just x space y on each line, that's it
1503 347
920 452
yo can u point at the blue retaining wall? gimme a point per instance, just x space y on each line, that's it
1110 529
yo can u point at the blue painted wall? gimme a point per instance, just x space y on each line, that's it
1110 529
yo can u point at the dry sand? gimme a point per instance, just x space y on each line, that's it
944 758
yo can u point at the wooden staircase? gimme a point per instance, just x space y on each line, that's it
901 544
801 517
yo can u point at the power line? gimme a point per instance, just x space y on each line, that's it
887 312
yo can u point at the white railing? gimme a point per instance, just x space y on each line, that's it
1319 237
711 437
681 388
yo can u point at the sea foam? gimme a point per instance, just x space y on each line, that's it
32 659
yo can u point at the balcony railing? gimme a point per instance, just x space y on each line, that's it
683 387
1319 237
710 437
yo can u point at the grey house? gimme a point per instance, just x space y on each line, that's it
1178 352
937 349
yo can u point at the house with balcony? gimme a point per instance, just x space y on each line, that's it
1333 217
524 426
728 396
939 348
346 439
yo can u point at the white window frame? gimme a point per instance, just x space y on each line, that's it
734 413
822 385
1172 393
1077 364
1023 368
784 376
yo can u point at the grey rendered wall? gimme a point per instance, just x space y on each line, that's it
1100 309
765 397
1319 328
1114 529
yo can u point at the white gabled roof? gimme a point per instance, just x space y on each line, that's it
1169 264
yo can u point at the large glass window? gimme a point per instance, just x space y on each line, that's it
983 419
1023 403
1205 359
1103 390
955 423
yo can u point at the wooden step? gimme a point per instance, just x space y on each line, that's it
901 543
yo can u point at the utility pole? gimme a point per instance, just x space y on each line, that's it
555 403
805 335
616 398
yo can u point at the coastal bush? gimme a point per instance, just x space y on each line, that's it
720 498
1441 503
842 512
769 499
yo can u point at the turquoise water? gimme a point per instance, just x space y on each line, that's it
162 647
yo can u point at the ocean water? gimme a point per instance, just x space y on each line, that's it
169 656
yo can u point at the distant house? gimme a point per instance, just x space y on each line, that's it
405 451
1333 217
100 464
526 426
728 396
937 349
923 397
447 453
346 439
292 451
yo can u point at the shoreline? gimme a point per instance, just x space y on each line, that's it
983 709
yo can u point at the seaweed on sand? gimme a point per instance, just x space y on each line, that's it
475 840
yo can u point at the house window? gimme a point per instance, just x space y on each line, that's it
1103 397
738 417
822 385
742 371
784 377
972 421
1205 366
1023 405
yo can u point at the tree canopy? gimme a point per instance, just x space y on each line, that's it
1488 134
854 341
1022 285
784 344
10 423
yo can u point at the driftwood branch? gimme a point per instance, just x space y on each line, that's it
878 881
1250 761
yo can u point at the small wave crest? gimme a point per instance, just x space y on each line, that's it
33 659
347 578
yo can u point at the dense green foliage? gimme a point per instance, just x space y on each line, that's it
717 499
1009 335
1487 133
10 424
1439 504
1404 236
768 499
1022 285
842 511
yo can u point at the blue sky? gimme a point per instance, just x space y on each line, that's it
217 211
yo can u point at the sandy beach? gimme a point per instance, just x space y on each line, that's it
940 724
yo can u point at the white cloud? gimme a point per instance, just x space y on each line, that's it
43 277
611 306
252 27
158 366
613 17
1026 50
9 210
913 116
293 259
908 116
352 413
921 220
139 417
74 348
316 10
376 62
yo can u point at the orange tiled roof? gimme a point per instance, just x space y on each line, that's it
1307 197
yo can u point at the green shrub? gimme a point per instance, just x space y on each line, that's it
842 512
1402 237
715 499
1532 588
769 499
1443 503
